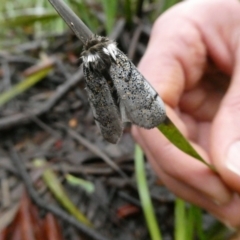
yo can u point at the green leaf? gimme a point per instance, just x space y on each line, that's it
110 10
86 185
218 231
148 209
24 85
28 17
180 220
188 221
191 222
52 182
85 14
128 11
170 131
197 212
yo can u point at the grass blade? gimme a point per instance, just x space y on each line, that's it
85 12
52 182
190 223
218 231
171 132
86 185
180 220
144 196
25 84
128 11
28 17
110 9
197 212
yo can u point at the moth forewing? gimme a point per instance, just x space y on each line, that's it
142 104
105 111
117 91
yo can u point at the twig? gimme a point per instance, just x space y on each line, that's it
44 205
129 198
18 59
118 29
134 41
6 82
97 151
21 118
46 128
87 170
72 20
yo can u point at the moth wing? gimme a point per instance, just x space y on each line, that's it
140 102
105 111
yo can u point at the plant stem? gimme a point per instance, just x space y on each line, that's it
72 20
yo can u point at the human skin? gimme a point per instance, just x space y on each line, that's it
193 62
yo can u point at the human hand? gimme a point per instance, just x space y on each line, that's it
193 62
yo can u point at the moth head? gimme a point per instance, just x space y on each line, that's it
99 53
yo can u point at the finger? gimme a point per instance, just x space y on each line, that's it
201 103
179 188
228 214
181 166
180 44
225 138
175 57
224 46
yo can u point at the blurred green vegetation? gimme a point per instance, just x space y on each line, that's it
20 20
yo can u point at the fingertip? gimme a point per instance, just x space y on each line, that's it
229 213
225 145
232 166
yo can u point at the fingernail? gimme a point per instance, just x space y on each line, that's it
233 158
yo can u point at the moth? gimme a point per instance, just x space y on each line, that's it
117 91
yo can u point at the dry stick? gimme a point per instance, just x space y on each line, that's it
85 143
63 167
46 128
117 29
134 41
97 151
17 162
72 20
20 118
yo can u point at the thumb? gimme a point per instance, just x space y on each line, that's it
225 135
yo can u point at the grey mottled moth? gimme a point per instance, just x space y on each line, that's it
117 92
